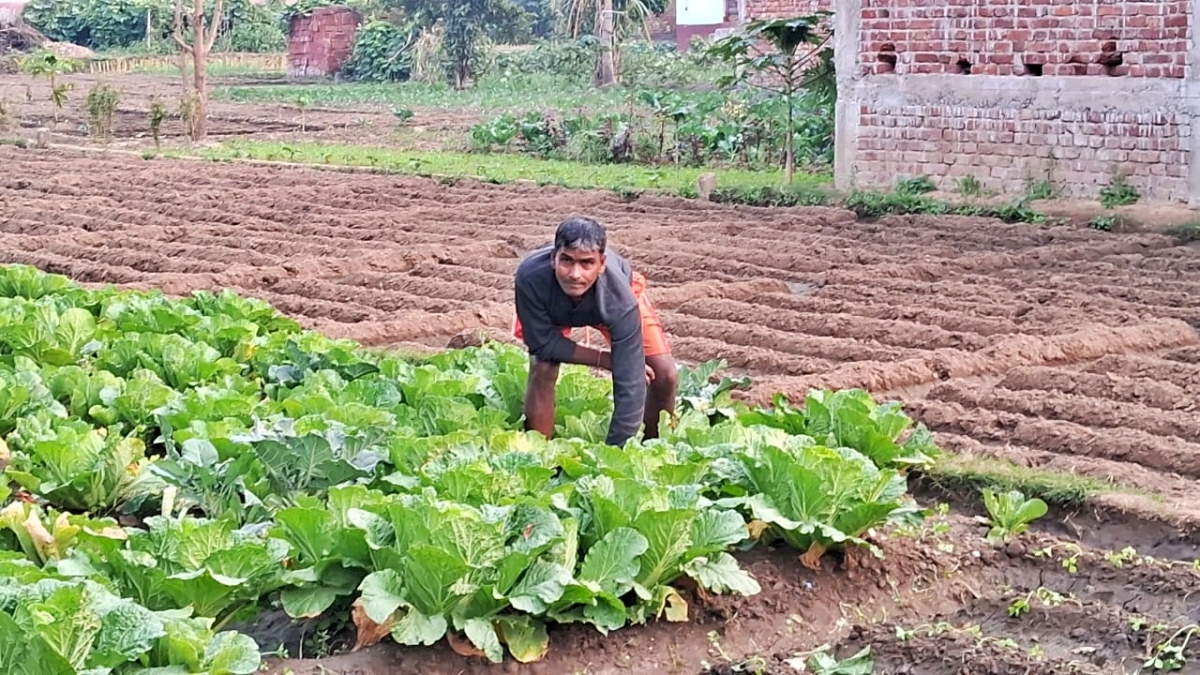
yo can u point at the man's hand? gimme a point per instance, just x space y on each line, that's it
649 375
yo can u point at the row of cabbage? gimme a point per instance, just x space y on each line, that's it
174 467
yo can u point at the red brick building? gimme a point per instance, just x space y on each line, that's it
735 12
320 42
1011 92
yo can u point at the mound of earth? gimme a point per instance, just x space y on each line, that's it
20 38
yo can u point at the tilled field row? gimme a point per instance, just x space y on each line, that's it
1056 347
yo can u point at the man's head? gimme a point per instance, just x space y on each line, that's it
579 258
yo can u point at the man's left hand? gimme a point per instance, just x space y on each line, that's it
649 375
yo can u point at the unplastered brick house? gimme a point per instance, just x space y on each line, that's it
1011 92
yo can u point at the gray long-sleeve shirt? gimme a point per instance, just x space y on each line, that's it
544 309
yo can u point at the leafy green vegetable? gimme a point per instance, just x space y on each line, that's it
264 464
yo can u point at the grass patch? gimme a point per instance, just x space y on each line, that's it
493 94
736 186
214 70
626 179
1186 232
973 473
869 204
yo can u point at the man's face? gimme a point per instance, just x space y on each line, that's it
577 270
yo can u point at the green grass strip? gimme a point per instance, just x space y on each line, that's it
973 473
507 167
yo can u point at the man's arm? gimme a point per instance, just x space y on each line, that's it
629 377
545 341
542 338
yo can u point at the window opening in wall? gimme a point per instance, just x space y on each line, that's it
964 67
887 58
1033 69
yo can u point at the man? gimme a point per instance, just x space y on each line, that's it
576 282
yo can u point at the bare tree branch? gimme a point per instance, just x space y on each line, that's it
214 27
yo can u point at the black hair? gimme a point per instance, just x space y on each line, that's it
580 233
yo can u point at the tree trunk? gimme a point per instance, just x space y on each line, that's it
200 47
789 151
606 65
184 51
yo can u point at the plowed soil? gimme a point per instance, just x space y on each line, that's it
1058 348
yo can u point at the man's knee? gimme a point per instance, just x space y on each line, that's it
666 374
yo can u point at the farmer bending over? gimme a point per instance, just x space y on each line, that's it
576 282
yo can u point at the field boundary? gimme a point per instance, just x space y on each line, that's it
113 65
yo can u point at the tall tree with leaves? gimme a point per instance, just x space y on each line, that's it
465 24
798 57
204 35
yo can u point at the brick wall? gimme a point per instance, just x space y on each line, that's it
1134 38
1014 90
778 9
319 43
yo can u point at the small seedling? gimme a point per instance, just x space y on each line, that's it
158 113
1170 656
45 63
189 112
102 106
5 121
1118 559
1010 513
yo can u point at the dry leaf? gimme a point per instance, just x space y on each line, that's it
462 646
812 557
369 632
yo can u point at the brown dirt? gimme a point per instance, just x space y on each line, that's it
1060 348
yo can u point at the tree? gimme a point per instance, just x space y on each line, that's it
204 35
611 21
465 25
784 68
47 64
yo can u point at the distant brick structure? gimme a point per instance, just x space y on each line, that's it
320 42
1011 92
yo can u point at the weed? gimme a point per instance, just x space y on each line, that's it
1106 223
915 186
970 186
102 106
1039 189
1118 192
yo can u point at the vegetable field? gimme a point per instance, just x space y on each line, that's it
192 476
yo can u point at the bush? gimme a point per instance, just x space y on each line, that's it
383 52
122 24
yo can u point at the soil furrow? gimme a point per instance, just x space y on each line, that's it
1155 394
898 333
1083 410
798 344
1087 344
1183 375
953 321
1122 445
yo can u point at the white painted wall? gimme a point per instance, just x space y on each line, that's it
699 12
